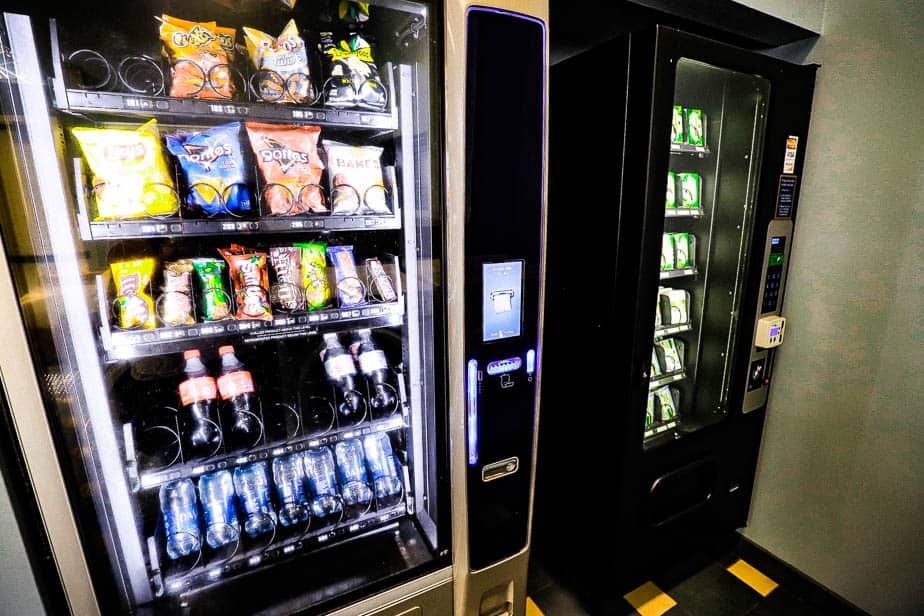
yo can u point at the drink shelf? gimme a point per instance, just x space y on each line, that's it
670 330
700 151
226 461
173 227
247 560
130 344
666 379
677 273
683 212
661 427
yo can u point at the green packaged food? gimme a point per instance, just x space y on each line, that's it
655 366
214 299
658 309
667 403
314 274
670 202
674 306
667 252
669 356
677 125
693 119
649 411
689 190
683 253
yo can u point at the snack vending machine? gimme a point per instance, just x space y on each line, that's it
681 307
242 236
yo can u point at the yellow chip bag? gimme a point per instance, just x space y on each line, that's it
134 305
130 174
200 55
282 64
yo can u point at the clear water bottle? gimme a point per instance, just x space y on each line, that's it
252 484
351 462
181 518
374 366
289 477
322 479
382 466
216 492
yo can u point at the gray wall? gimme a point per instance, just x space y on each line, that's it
804 13
840 484
18 593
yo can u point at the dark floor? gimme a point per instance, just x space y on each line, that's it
699 587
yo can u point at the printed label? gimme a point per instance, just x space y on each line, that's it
235 384
198 389
339 366
372 360
789 160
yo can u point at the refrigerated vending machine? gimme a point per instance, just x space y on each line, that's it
272 277
673 292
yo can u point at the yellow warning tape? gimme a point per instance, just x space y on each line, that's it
532 609
752 577
649 600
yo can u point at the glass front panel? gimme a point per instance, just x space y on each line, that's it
226 241
717 127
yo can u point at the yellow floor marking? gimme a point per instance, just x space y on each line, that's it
752 577
649 600
532 609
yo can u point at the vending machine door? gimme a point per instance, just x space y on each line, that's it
717 124
225 242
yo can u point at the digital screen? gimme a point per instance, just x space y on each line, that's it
777 244
502 308
774 332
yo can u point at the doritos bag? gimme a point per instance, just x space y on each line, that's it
288 159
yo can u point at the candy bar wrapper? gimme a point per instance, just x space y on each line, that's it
683 254
382 286
200 55
286 77
214 300
350 288
288 158
355 173
695 126
176 304
677 125
135 306
289 292
314 275
131 178
667 252
353 77
689 190
251 284
670 201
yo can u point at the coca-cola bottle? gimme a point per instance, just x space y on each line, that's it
199 397
374 366
341 372
235 384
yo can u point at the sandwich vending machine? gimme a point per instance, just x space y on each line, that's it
273 295
673 293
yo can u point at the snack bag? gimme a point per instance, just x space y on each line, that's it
175 305
682 252
350 288
355 175
655 365
689 190
282 63
289 162
353 12
314 275
696 134
288 292
670 357
135 306
649 410
379 282
675 303
666 401
214 300
214 168
353 77
200 55
251 283
130 176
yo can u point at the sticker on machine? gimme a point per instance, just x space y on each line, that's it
789 160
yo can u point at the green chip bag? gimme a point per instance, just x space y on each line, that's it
677 125
695 127
682 250
667 252
670 202
690 188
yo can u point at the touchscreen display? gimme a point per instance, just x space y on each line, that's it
502 300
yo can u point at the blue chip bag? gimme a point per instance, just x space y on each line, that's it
214 168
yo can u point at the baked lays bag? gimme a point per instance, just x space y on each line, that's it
200 55
130 176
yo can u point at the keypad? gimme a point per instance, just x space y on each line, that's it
772 288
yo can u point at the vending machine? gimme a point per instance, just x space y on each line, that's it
273 292
673 293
